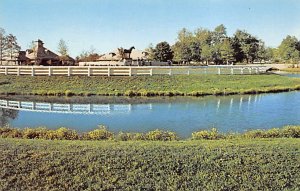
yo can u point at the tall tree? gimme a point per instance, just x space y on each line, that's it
163 52
288 50
246 46
183 47
2 43
207 53
62 48
227 51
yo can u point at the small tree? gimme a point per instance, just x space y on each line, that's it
62 48
2 43
12 48
163 52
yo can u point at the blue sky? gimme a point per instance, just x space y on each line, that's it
108 24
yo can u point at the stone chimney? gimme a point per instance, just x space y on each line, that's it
39 43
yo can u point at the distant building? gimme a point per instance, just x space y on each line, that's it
115 58
39 55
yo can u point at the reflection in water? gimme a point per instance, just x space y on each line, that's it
97 109
182 115
6 115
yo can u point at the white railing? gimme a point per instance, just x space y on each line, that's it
127 70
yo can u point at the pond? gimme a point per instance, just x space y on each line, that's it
183 115
288 74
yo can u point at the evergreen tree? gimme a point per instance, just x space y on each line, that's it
163 52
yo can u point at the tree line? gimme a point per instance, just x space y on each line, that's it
206 46
201 46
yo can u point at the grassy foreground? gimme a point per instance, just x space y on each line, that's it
237 164
192 85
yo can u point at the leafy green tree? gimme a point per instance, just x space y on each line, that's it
206 53
163 52
227 51
182 52
288 50
219 34
183 47
246 46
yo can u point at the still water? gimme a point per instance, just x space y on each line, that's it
182 115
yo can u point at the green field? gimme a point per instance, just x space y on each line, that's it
193 85
237 164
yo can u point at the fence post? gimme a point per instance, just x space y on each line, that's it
6 71
242 71
231 71
130 71
108 71
219 71
205 71
69 71
18 71
49 71
250 70
188 72
256 70
170 72
151 71
89 71
32 71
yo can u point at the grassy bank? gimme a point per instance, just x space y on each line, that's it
238 164
291 69
192 85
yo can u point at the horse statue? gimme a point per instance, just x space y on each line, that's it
112 54
128 51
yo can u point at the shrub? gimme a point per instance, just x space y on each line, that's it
130 136
159 135
7 132
99 134
207 134
63 134
38 133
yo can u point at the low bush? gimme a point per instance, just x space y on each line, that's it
285 132
160 135
99 134
212 134
102 133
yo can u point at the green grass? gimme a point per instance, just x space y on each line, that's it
237 164
193 85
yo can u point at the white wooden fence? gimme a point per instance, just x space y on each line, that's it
127 70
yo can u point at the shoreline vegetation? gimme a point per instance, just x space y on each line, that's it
180 85
296 70
223 164
102 133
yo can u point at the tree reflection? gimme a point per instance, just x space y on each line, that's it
6 115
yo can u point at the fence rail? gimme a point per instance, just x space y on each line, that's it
128 70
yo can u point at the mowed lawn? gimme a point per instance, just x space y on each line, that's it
146 85
236 164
